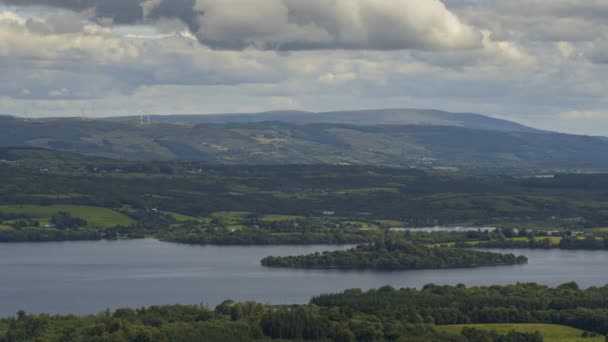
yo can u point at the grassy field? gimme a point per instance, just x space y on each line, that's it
390 223
231 219
551 332
183 218
95 216
555 240
278 218
3 228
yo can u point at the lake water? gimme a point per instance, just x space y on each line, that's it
88 277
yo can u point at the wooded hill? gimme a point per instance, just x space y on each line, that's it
421 146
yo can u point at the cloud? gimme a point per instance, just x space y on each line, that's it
539 20
584 115
597 52
582 121
492 53
95 62
294 24
531 61
335 24
43 39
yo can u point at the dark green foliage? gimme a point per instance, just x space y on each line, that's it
354 193
521 303
393 253
587 243
384 314
63 220
41 235
295 323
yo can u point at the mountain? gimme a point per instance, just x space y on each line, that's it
309 143
355 117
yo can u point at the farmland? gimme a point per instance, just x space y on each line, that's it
550 332
95 216
198 203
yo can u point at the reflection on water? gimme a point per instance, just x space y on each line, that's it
87 277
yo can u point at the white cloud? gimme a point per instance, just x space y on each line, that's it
325 24
479 56
540 20
36 38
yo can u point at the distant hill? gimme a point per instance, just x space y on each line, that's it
356 117
304 143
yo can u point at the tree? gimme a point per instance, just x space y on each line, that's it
64 220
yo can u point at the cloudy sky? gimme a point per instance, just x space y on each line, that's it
539 62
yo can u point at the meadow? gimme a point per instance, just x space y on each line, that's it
95 216
550 332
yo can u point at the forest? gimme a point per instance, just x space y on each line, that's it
395 253
383 314
212 204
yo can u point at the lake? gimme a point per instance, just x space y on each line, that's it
88 277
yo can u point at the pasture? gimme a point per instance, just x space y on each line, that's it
550 332
95 216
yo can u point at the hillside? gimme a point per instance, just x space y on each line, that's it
423 117
300 143
238 196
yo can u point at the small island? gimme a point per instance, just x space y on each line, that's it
395 254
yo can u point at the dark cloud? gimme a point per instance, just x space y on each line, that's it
598 54
292 24
180 9
120 11
77 5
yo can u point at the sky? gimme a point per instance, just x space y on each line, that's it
543 63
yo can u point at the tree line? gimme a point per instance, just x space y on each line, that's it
395 253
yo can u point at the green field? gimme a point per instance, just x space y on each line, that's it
95 216
232 220
279 218
183 218
555 240
390 223
551 332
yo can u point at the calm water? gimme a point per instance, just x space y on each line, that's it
87 277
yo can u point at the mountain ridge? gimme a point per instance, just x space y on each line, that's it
389 116
418 146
